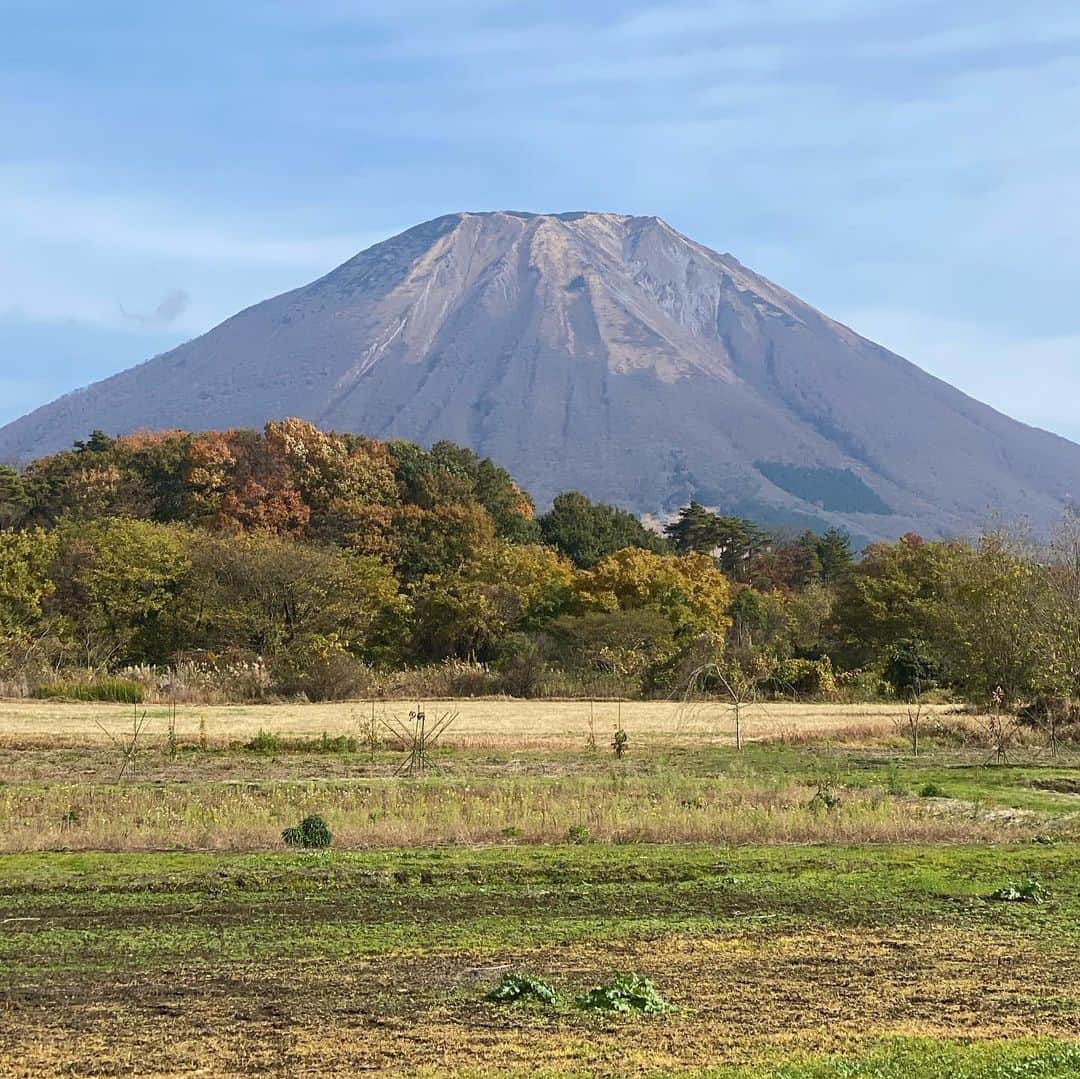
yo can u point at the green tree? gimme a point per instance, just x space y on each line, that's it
25 584
120 583
732 541
585 532
834 554
440 540
504 590
270 594
14 498
991 633
895 593
695 529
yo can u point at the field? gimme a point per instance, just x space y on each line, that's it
818 904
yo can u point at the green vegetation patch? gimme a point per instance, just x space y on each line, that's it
108 911
836 489
923 1058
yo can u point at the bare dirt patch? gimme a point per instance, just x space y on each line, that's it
739 999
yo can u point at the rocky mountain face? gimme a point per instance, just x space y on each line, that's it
604 353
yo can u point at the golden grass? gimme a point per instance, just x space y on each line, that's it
481 723
742 1000
665 808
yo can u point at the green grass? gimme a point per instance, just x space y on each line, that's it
108 910
921 1059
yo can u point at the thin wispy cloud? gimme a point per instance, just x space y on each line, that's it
169 310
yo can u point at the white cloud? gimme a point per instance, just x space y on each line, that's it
80 255
682 19
134 225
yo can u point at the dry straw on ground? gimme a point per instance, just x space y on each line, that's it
482 722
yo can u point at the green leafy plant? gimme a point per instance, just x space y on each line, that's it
522 988
625 993
1028 890
578 833
270 743
264 742
619 743
932 790
824 799
311 832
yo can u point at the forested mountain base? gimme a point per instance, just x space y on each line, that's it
291 562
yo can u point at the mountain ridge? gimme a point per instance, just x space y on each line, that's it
603 352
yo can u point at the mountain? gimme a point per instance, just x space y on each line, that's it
604 353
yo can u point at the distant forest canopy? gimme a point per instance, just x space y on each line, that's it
297 561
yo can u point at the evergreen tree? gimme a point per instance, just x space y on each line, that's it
587 532
834 554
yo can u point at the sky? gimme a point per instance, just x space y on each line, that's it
910 168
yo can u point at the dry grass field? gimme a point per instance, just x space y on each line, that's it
481 722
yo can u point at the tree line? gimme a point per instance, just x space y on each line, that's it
319 558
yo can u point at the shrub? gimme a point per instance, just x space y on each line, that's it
912 667
521 666
321 672
578 833
824 799
619 742
268 742
118 690
264 742
1028 890
625 993
522 988
310 832
932 790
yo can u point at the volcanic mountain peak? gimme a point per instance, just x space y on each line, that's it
603 352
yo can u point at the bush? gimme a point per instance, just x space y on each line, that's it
268 742
824 799
118 690
626 993
451 678
912 667
578 833
932 790
264 742
311 832
521 666
321 674
803 677
1028 890
522 988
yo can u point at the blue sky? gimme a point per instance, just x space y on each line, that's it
911 168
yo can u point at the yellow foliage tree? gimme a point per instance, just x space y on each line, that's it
689 589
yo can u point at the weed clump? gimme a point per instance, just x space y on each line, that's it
521 989
626 993
619 743
578 833
311 832
824 800
932 790
264 742
114 690
270 743
1028 890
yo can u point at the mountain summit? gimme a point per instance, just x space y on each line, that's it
605 353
